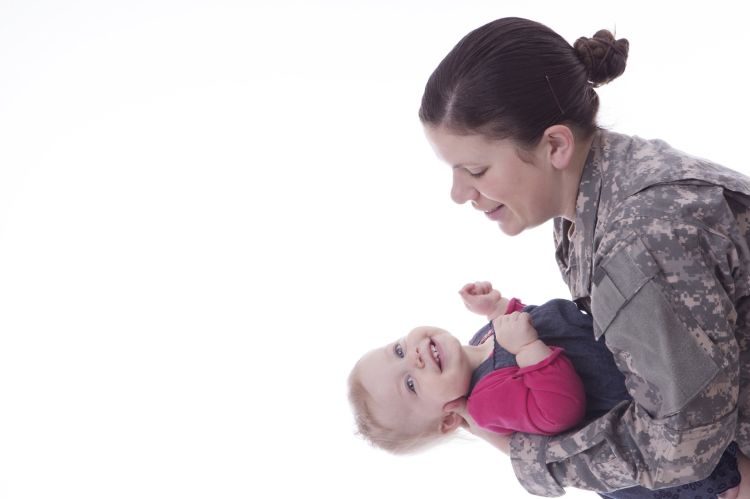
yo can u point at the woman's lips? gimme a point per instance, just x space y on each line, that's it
495 214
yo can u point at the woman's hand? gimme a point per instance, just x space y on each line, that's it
480 298
742 491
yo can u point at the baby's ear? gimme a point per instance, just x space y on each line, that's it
453 413
456 405
450 422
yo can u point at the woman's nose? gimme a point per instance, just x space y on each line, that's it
461 192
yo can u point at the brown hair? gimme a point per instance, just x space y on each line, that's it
377 434
513 78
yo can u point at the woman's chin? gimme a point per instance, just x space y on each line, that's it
511 229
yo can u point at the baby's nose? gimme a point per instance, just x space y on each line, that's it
420 362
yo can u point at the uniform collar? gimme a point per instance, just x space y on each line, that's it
575 240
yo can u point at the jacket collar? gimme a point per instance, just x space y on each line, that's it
574 241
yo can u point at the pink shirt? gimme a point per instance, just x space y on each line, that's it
546 398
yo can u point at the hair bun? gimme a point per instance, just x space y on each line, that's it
603 56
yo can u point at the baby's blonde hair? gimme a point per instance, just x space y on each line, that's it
376 433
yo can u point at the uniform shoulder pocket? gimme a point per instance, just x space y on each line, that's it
617 280
661 351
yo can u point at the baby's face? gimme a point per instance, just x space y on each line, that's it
413 378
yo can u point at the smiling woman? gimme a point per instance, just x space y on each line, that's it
516 188
652 243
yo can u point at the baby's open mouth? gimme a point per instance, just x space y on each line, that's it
436 355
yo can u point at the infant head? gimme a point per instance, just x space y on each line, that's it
404 394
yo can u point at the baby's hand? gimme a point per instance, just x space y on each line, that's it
514 331
480 298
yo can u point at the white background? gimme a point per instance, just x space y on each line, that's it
210 209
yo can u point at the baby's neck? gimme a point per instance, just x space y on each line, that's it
479 353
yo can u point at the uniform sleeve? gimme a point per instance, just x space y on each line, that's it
663 299
545 398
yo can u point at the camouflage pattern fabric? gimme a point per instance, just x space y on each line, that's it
658 254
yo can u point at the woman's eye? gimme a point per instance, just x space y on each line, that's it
398 351
410 384
478 173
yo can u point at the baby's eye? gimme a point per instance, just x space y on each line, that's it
410 384
398 351
478 173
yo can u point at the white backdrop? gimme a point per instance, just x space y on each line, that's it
210 209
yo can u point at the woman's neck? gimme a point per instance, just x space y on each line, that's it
572 176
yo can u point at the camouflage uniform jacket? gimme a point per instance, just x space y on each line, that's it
658 254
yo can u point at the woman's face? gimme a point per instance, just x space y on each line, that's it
516 194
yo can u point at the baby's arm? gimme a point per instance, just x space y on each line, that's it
545 398
542 395
514 331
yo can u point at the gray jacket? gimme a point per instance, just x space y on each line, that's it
659 255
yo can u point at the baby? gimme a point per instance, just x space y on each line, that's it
534 369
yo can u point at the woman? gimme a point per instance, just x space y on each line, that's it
653 243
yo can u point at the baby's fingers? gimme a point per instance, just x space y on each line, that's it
517 318
483 287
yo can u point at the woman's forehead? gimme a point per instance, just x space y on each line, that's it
459 150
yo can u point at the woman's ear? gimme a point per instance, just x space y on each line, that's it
560 145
